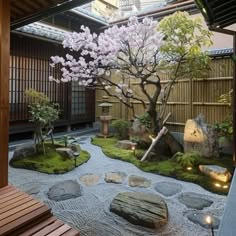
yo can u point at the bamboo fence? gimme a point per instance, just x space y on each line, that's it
188 97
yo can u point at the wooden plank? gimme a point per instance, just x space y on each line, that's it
38 227
20 214
63 229
4 88
12 197
71 232
9 193
19 209
49 228
8 187
25 221
14 203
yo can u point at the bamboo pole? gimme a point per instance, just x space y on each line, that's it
162 132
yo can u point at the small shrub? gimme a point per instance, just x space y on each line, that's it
188 159
121 128
145 120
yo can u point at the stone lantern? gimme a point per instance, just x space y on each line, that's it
105 117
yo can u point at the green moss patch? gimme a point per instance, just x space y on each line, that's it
50 163
170 167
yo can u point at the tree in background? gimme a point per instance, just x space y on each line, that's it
43 115
140 51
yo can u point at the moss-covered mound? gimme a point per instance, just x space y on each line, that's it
51 163
172 167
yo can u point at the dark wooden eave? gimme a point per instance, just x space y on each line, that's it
24 12
218 13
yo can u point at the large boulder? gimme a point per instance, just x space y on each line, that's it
66 152
23 151
200 137
148 210
139 130
64 190
216 172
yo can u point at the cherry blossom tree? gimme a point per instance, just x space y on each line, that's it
139 51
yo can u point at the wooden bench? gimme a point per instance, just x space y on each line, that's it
22 215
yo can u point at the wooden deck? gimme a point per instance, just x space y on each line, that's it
22 215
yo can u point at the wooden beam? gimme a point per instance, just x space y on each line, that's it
4 88
234 102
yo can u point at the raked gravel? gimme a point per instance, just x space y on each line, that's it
90 212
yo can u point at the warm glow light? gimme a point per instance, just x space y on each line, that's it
133 148
189 168
208 220
150 136
217 185
225 186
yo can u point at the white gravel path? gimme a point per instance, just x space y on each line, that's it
90 212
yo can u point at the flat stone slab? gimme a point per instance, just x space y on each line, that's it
34 190
64 190
200 219
115 177
194 201
125 144
216 172
89 179
148 210
168 188
139 181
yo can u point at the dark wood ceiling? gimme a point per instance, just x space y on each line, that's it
218 13
27 11
23 8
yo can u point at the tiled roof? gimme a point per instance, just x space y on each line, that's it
43 30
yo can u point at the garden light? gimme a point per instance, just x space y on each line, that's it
217 185
209 222
133 149
189 168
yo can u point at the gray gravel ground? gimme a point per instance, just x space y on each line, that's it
90 212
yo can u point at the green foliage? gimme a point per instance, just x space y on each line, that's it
188 159
145 120
184 39
35 97
51 163
225 128
169 167
43 113
122 128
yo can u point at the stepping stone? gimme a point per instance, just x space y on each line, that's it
89 179
34 190
194 201
216 172
139 181
115 177
148 210
168 188
200 219
64 190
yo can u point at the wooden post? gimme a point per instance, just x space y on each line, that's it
4 88
234 101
